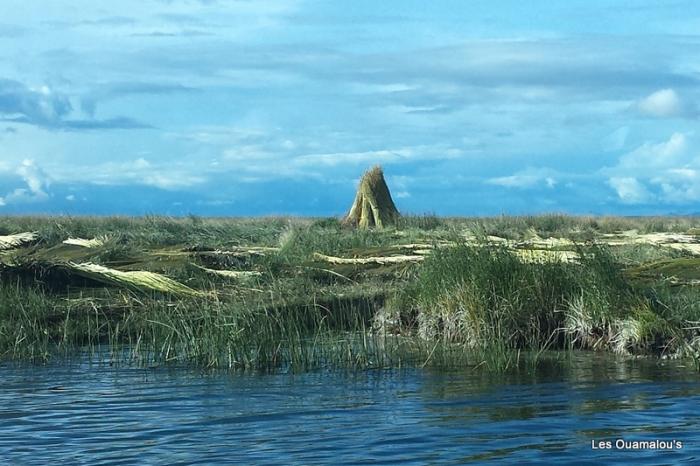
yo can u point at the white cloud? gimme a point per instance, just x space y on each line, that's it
37 185
662 171
650 155
173 180
281 158
34 177
289 144
34 105
679 185
135 172
404 154
662 103
142 163
70 197
371 88
630 190
678 193
515 181
341 158
529 178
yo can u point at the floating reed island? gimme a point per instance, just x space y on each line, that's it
374 289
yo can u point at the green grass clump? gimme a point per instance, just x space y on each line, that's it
487 300
487 295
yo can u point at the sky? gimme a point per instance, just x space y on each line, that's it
277 107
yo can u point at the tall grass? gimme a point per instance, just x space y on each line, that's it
154 230
467 305
576 227
487 300
486 296
203 333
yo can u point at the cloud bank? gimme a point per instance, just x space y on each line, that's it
229 107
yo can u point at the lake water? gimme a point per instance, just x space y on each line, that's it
89 414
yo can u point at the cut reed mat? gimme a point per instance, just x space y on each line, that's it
368 260
17 240
135 280
86 243
237 274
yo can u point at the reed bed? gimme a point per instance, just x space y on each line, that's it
302 294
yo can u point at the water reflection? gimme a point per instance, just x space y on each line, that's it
102 415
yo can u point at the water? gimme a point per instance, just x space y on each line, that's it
79 414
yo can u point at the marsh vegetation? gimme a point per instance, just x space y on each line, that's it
299 294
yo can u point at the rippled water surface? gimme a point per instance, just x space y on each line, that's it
82 414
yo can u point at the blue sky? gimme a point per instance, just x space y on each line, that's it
277 107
